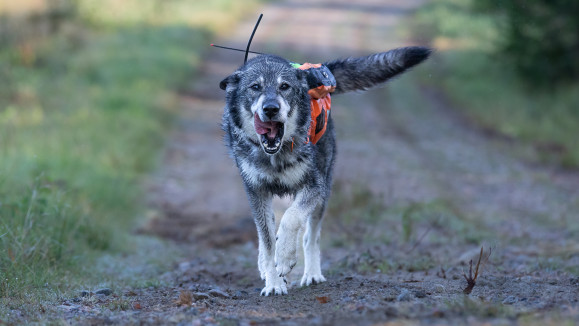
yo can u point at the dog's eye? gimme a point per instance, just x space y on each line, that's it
284 86
255 87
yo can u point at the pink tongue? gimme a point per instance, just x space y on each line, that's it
269 128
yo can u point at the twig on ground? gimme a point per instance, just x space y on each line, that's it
419 240
471 280
185 299
441 273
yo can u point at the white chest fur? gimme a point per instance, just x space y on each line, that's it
288 174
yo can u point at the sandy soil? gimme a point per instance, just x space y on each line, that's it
417 194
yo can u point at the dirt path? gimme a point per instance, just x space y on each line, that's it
417 193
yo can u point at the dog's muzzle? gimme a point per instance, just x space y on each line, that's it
270 109
271 132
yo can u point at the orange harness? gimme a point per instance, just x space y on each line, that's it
320 102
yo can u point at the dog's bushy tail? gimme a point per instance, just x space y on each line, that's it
358 74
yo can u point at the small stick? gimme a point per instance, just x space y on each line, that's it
470 280
419 240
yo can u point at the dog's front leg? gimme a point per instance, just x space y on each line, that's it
312 268
265 222
293 220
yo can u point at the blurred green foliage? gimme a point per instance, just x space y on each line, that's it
540 38
87 92
401 224
81 129
484 84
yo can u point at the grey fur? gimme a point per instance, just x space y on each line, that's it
360 74
269 91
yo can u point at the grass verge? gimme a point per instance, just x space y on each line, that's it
84 109
487 90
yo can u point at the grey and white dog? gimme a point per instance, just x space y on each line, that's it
266 121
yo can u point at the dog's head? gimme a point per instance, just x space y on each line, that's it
267 97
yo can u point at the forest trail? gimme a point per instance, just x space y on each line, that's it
417 193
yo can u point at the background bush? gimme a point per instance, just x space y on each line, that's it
540 38
519 86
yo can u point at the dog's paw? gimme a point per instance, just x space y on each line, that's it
285 256
278 288
309 279
284 264
285 267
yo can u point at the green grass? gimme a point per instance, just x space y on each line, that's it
362 216
487 90
75 149
84 113
407 229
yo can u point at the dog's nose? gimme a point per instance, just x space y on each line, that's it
270 109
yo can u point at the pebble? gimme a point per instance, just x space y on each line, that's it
510 300
184 266
240 294
69 307
419 294
389 298
494 299
437 313
15 313
193 311
391 311
105 291
439 288
200 296
218 293
404 295
193 288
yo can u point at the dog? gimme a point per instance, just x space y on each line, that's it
267 121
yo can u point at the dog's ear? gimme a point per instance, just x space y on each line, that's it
354 74
231 80
302 76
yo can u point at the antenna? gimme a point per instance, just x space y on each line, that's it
233 49
251 38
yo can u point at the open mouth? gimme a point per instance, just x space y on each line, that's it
271 133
